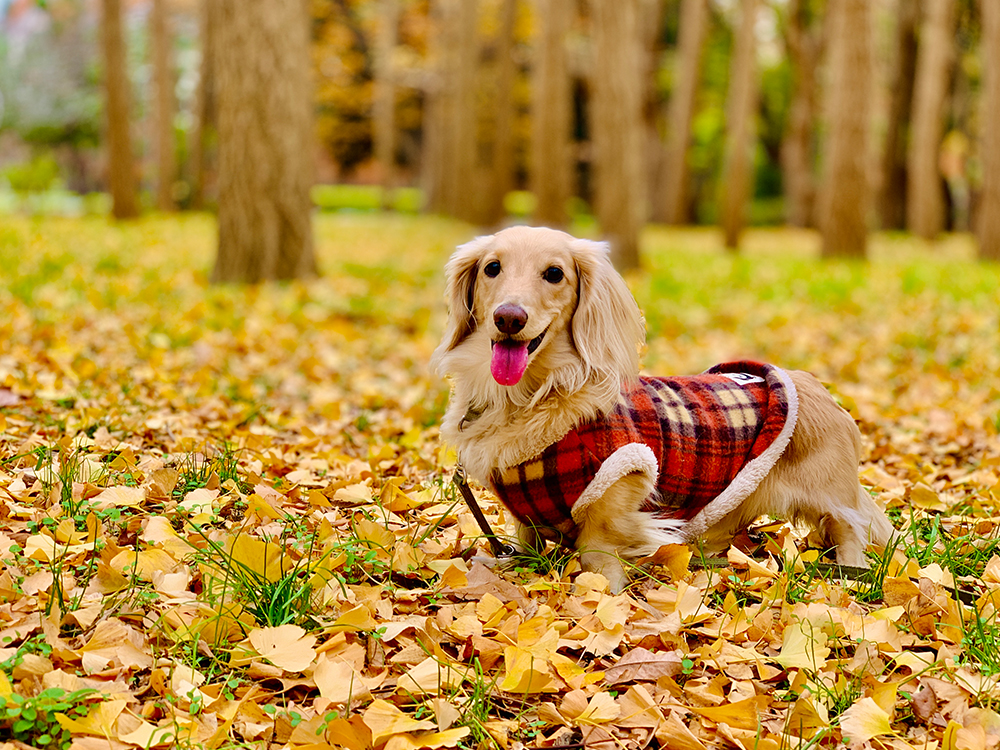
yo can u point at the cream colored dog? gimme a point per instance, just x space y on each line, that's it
543 342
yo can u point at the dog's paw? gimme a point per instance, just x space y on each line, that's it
609 566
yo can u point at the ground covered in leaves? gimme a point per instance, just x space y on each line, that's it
226 519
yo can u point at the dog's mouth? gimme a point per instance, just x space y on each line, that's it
510 358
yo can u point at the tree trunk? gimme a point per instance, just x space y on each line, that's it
435 121
204 115
501 178
163 77
463 193
675 175
618 135
266 143
844 221
925 197
121 166
804 43
892 203
988 224
384 104
741 105
551 123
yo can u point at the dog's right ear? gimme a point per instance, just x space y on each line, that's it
461 287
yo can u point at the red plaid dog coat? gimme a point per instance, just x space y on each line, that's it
703 439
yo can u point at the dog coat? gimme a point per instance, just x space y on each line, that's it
706 441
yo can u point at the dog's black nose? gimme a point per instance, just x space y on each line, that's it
510 319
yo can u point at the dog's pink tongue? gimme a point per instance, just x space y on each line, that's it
510 359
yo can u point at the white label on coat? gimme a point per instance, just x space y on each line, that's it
743 378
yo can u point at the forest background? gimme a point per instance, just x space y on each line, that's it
226 516
847 116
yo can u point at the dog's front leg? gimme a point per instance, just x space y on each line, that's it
613 530
528 538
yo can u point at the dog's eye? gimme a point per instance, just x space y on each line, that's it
553 275
492 269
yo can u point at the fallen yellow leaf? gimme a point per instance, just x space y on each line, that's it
863 720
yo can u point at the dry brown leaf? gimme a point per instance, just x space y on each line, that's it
642 664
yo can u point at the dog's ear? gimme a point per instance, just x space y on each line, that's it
461 286
608 328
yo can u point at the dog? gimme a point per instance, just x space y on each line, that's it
548 409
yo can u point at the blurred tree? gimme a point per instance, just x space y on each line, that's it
452 117
925 208
804 43
675 175
437 106
501 178
843 218
204 106
462 190
551 123
740 127
266 141
892 202
618 135
163 84
988 229
121 165
384 106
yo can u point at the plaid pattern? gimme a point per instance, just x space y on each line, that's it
703 429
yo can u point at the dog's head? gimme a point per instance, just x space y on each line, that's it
531 292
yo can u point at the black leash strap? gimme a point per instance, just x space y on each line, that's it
499 548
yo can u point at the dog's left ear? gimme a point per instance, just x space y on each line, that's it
461 286
607 327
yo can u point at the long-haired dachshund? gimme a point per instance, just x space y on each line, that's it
549 410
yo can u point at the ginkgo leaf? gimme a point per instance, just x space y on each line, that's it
119 497
433 677
143 564
526 672
803 647
642 664
744 714
600 710
147 735
447 738
338 681
385 720
863 720
285 646
99 721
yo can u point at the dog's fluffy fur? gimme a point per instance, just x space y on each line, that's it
591 333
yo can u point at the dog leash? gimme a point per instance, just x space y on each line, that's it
499 548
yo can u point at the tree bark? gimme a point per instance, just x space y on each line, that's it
618 136
204 115
163 77
892 203
804 43
737 168
551 123
501 179
265 141
925 196
675 176
463 193
435 121
121 164
384 104
844 221
988 225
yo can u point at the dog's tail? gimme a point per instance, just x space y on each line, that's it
881 532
